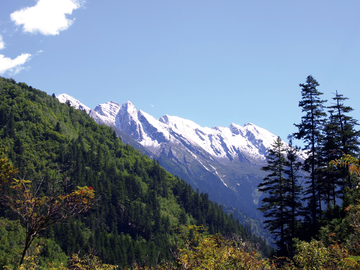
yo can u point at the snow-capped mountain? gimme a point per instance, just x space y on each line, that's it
223 143
222 161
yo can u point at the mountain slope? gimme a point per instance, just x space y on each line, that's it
139 202
225 162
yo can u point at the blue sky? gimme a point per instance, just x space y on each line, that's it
213 62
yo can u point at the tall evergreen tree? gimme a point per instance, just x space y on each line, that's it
329 151
310 131
274 185
346 138
294 189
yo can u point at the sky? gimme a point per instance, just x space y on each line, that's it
211 61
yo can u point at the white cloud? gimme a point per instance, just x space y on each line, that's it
13 65
2 44
47 16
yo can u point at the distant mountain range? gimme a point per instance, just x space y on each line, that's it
224 162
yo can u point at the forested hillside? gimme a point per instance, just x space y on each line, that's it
139 204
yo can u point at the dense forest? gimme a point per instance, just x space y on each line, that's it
138 207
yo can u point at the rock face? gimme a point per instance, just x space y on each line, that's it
225 162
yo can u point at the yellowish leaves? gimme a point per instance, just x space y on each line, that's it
21 185
7 171
39 212
89 262
352 163
26 202
315 255
202 251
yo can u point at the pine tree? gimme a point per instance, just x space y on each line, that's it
310 131
329 151
274 186
346 138
294 189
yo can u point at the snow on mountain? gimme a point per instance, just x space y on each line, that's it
219 142
73 102
107 112
224 162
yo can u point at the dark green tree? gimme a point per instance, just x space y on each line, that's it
293 190
348 137
345 137
330 149
274 185
310 132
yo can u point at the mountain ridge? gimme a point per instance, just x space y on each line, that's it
226 159
112 113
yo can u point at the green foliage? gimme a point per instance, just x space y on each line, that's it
290 212
310 132
140 202
36 211
275 186
315 255
281 203
12 235
199 250
339 248
89 262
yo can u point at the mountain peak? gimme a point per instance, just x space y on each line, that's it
107 112
112 103
128 104
63 98
128 108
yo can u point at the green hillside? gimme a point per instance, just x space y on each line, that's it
139 203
